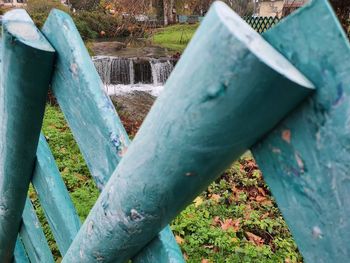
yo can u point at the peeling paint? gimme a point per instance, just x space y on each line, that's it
316 232
286 136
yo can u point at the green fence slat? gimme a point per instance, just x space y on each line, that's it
33 237
27 62
196 128
54 198
261 24
305 161
91 115
20 255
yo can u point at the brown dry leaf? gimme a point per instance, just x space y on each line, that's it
217 221
265 215
229 223
254 239
260 198
262 191
185 256
215 197
198 201
179 240
267 202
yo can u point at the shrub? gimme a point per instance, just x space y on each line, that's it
96 22
40 9
89 23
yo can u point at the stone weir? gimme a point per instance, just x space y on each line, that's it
129 71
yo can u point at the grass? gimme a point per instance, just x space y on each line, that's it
174 37
72 167
234 220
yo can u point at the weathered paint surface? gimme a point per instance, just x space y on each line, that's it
27 61
54 198
198 125
33 237
160 249
20 255
93 119
308 170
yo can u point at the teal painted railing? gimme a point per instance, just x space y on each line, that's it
292 83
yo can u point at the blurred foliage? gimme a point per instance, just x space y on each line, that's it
87 5
342 8
40 9
175 37
91 24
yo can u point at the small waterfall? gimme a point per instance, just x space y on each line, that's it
132 72
104 67
161 71
121 75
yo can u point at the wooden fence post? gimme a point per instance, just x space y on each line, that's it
228 90
306 160
27 61
94 122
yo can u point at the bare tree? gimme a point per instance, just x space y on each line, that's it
85 4
241 7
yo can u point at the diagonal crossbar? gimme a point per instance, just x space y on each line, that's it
139 199
27 62
93 120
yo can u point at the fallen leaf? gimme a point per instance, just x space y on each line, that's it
254 239
215 197
229 223
217 221
185 256
262 191
260 198
198 201
179 240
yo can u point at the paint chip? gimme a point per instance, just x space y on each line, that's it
74 68
286 136
90 228
135 216
300 162
316 232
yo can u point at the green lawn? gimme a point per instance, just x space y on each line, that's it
234 220
174 37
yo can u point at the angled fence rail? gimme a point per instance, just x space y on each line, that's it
293 90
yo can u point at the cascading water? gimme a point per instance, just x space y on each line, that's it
122 75
161 71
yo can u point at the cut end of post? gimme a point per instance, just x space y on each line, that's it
18 23
258 46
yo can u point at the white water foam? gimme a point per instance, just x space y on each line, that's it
121 89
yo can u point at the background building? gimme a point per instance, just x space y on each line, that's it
279 8
12 3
